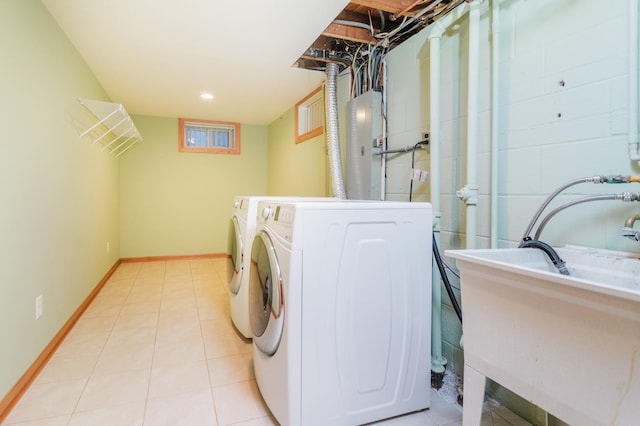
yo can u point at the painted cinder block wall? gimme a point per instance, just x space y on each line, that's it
563 95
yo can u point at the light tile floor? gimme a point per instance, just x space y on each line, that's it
157 347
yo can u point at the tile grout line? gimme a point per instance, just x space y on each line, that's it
75 407
206 359
155 341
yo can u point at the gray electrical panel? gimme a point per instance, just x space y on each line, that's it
364 143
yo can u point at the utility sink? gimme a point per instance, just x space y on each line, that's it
569 344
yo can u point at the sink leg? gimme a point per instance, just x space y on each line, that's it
474 384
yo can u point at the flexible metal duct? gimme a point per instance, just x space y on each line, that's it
333 140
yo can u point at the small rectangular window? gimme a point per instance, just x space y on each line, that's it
215 137
310 116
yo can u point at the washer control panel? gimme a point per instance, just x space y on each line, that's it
278 217
283 214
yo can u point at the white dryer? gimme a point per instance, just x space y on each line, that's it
340 309
241 233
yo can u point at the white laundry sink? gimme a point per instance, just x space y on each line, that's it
569 344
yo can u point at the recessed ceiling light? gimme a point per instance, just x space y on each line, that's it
206 96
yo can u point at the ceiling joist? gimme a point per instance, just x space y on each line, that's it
345 32
384 23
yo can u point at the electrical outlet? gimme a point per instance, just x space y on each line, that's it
108 247
38 307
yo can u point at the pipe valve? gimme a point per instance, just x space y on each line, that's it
630 233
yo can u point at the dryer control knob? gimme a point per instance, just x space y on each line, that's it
266 212
236 204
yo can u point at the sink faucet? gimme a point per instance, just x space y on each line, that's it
628 230
627 196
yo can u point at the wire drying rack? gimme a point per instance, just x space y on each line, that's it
114 128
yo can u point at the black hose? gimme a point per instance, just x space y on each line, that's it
549 251
445 278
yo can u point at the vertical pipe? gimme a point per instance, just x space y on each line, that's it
383 158
333 140
438 28
438 362
470 191
634 144
495 110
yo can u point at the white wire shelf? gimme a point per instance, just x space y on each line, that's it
114 129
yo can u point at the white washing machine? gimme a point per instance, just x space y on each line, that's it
340 309
241 233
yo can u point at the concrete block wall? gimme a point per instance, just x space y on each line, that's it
563 97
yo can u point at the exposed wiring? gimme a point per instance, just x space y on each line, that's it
366 69
382 19
413 160
394 31
412 150
366 61
354 24
423 17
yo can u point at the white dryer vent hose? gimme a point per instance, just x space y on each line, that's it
333 139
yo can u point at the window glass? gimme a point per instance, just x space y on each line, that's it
310 116
209 136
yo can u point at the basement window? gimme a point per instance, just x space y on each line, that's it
310 116
207 136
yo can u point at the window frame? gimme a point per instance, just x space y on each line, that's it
184 122
303 103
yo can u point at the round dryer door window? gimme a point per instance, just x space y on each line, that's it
266 304
234 273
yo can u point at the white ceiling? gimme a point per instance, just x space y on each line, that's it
157 56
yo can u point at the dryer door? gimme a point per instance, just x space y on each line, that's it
234 273
266 304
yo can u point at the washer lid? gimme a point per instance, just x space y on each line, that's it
266 302
234 274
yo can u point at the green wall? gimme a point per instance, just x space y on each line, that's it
64 200
178 203
296 169
58 192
